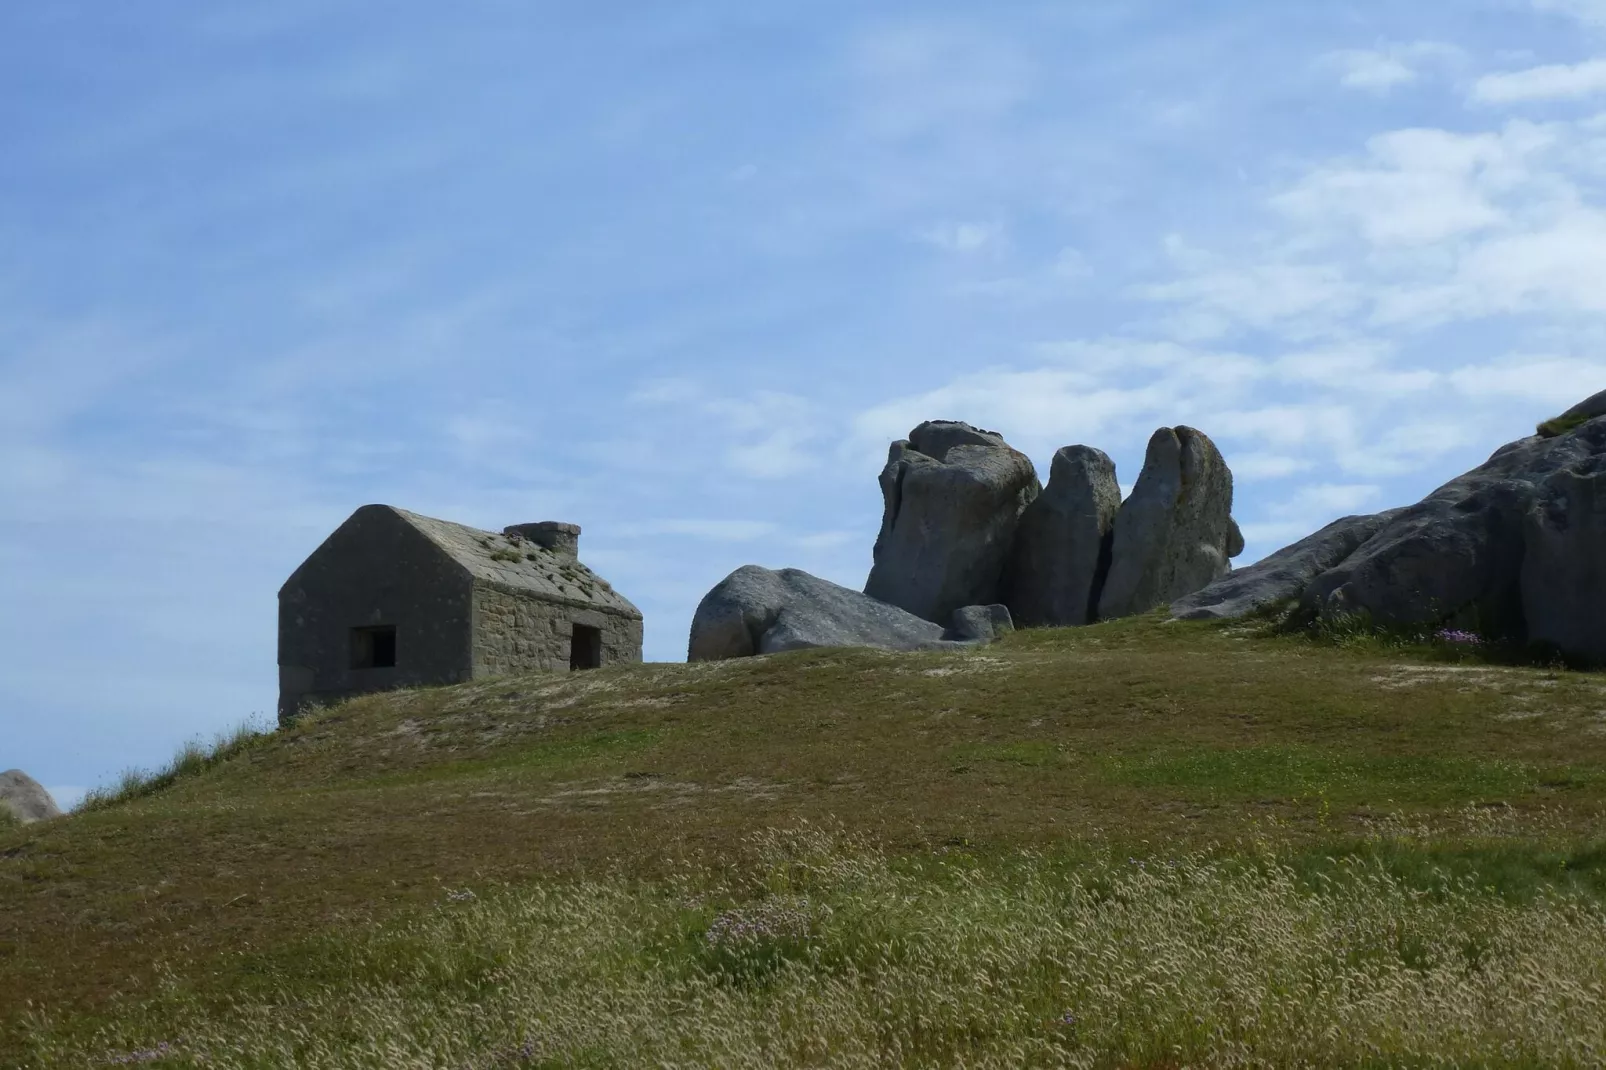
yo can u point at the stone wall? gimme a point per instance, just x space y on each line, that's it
374 570
515 633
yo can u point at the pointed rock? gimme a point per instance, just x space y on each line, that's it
952 499
1062 548
1172 536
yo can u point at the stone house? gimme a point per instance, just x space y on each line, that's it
393 599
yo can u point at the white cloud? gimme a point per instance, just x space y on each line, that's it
1308 509
766 434
1552 82
962 237
826 540
1591 11
1267 465
1214 294
1553 380
1083 389
1356 368
1427 227
1414 443
1416 187
1381 69
713 530
923 76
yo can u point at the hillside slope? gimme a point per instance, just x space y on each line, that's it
1137 737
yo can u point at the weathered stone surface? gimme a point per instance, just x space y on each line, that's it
1284 575
444 603
1456 556
980 623
555 535
25 798
1235 538
1589 408
758 611
953 497
1062 546
1563 578
1173 534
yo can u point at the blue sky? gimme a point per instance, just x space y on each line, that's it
678 273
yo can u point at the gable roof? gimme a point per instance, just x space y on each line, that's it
520 565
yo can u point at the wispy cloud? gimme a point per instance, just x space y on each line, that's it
923 75
1552 82
1381 69
967 237
715 530
1590 11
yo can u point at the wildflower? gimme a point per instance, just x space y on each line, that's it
771 919
464 896
1458 637
142 1055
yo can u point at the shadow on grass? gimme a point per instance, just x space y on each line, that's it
1360 633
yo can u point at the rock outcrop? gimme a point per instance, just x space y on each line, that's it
952 500
1515 549
23 796
1283 576
1062 546
980 623
1174 534
1563 580
758 611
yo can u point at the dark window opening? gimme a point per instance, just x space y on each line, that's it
373 648
585 648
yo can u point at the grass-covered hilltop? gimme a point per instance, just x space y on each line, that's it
1140 843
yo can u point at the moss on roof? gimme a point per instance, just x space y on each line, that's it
518 564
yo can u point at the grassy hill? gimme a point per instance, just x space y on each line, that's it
1135 844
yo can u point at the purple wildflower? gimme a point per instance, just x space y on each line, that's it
1458 637
769 919
143 1055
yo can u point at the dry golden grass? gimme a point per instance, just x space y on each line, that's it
1134 738
829 953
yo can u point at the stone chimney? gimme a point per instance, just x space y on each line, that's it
562 539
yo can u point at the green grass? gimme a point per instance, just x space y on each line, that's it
824 949
1338 778
1560 425
1396 845
193 758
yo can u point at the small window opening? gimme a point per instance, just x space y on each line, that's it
373 648
585 648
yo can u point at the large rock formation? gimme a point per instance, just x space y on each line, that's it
1283 576
1514 549
757 611
1174 535
1563 580
952 500
1062 547
22 795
